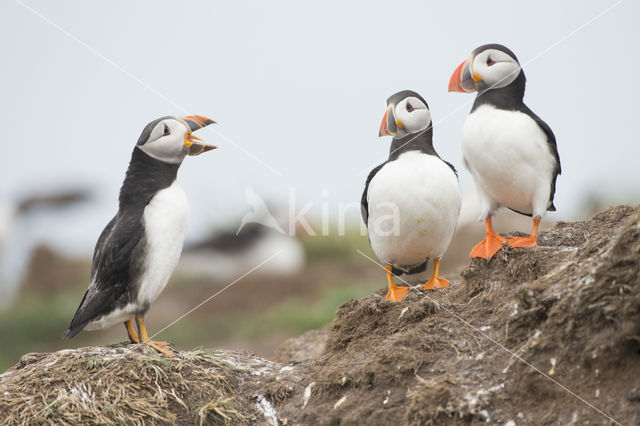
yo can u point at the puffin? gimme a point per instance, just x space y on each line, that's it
510 152
139 248
411 202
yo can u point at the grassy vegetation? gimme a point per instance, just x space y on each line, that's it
33 323
297 317
36 322
334 246
292 316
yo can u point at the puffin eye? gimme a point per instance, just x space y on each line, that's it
490 61
409 107
166 130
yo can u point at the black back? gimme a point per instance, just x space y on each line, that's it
120 252
364 203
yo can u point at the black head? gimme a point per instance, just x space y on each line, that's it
170 139
494 46
490 67
407 113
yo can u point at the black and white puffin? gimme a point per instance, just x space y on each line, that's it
411 202
139 248
510 152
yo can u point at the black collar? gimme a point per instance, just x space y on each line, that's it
145 177
422 141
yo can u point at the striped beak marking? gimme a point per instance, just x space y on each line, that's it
388 127
463 79
191 142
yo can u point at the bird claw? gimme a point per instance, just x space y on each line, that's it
162 347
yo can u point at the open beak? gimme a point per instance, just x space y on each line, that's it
192 143
463 80
388 127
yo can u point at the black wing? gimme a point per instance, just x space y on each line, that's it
364 204
455 172
115 257
553 147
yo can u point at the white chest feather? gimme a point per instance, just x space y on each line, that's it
165 222
414 203
509 158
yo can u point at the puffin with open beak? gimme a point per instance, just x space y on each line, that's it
510 152
411 202
139 248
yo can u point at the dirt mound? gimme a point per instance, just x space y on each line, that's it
303 348
570 308
549 335
120 384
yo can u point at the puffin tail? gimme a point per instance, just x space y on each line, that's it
77 323
73 330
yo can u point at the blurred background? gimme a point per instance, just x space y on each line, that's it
298 90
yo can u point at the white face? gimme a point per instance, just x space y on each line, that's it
166 141
412 116
496 68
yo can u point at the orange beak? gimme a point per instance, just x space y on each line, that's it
196 122
388 127
191 142
383 125
461 80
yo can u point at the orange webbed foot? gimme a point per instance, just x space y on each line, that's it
530 241
435 283
396 293
521 242
162 347
488 247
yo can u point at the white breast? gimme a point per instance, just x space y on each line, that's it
165 222
509 158
414 203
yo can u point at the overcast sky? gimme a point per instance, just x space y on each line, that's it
298 90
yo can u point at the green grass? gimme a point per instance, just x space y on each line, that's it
36 322
292 316
33 322
334 246
297 317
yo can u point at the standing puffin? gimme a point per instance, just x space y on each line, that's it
138 250
411 202
510 152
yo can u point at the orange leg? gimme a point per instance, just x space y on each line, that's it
144 338
491 244
395 293
530 241
133 336
435 281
